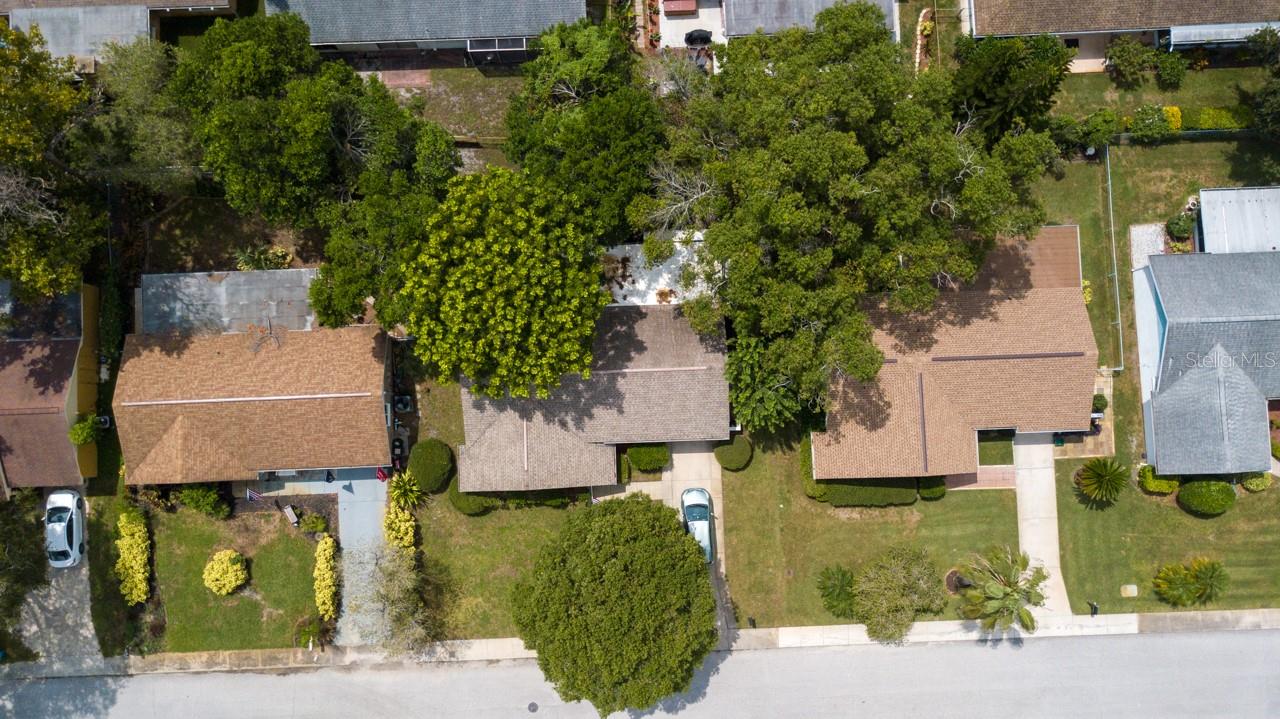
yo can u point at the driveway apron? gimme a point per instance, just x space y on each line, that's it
56 620
1038 514
361 502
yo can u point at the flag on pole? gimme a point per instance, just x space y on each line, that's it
253 496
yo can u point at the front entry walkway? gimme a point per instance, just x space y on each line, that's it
361 502
1038 514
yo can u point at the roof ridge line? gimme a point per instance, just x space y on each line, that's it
225 400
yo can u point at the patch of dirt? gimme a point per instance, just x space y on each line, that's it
909 516
250 531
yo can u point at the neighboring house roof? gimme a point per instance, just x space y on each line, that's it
225 301
653 379
38 349
1030 17
1013 350
1219 362
1240 219
340 21
744 17
84 31
224 407
9 5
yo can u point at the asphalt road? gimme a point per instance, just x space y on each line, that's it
1206 674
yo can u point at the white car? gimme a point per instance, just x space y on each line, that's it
64 528
695 506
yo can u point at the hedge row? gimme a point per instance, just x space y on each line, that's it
325 575
133 567
871 492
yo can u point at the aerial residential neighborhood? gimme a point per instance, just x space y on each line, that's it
790 358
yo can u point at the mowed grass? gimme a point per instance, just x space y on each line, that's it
261 615
471 102
777 540
105 496
1129 541
995 447
1084 93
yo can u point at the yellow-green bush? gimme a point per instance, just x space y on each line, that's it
133 567
225 572
399 527
326 578
1173 115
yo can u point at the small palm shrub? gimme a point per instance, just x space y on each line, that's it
404 491
1151 483
431 462
225 572
835 584
133 567
1257 481
735 454
472 505
84 431
932 488
325 575
1206 497
1199 581
1005 585
1102 479
649 457
313 524
205 499
264 257
399 527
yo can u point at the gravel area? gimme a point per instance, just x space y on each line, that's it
1144 241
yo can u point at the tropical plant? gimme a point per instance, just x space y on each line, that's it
431 461
133 562
1102 479
262 257
203 498
1128 61
399 527
1210 578
325 576
1004 587
84 431
1206 497
573 610
1200 581
835 584
893 589
225 572
404 491
313 524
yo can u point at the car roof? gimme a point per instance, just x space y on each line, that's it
55 536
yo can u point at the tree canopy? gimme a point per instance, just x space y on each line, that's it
504 287
1006 84
619 606
829 177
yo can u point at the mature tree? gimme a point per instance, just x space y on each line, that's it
619 606
250 57
1004 84
581 122
504 287
1263 47
23 564
893 589
1004 586
829 176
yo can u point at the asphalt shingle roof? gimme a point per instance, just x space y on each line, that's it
226 301
342 21
744 17
1030 17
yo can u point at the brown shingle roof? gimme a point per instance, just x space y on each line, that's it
1014 350
1029 17
224 407
653 379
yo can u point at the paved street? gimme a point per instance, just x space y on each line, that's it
1154 675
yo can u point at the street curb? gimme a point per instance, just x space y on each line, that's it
512 649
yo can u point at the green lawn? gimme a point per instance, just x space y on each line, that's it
1083 93
468 101
1127 542
440 410
777 540
261 615
995 447
111 618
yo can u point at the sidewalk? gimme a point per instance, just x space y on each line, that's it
1038 515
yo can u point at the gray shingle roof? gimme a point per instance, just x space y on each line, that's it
1219 364
226 301
653 379
342 21
84 31
744 17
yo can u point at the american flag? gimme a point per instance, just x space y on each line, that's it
253 496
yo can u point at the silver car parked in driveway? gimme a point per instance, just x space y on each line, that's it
695 507
64 528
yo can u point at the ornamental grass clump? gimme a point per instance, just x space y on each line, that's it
325 575
226 572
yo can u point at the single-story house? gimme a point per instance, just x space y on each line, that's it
1089 26
1209 344
1012 351
653 379
229 379
1239 219
48 379
490 31
744 17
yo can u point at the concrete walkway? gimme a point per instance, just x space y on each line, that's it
361 502
1038 514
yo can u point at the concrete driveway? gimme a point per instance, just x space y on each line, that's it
362 500
1038 514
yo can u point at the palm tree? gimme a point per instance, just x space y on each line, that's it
1102 479
1004 586
1210 579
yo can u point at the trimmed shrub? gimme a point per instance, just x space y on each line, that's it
1102 479
1206 497
225 572
1171 70
1100 403
404 490
871 492
1149 125
835 584
1180 226
649 457
84 431
399 527
133 566
1153 484
735 454
1257 481
205 499
1173 116
554 498
932 489
431 462
325 575
1099 127
472 505
1235 117
1128 61
313 524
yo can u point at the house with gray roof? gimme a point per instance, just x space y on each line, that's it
1239 219
744 17
196 302
1209 346
489 30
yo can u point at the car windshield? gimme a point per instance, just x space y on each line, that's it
59 555
57 515
696 513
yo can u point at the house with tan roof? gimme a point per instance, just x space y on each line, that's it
230 380
653 379
48 379
1012 351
